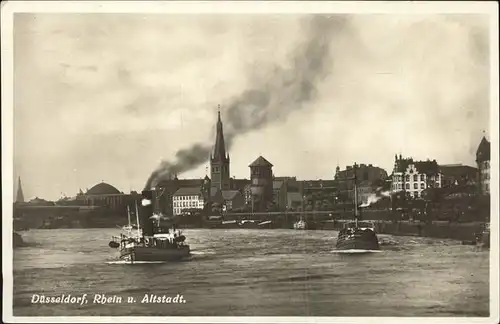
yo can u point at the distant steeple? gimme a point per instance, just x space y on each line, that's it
220 145
20 195
219 161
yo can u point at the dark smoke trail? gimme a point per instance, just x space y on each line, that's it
271 100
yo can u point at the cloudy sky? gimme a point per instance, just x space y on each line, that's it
107 97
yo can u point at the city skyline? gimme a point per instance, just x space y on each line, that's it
207 173
84 113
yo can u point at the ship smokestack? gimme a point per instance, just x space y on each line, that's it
147 212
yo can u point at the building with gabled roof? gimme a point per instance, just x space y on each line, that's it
261 175
261 162
371 175
413 177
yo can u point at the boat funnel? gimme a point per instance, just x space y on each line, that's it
147 212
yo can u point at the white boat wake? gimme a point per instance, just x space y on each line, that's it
202 252
353 251
135 262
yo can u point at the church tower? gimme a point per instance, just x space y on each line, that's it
20 195
219 161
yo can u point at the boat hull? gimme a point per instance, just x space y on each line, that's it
17 240
154 254
360 240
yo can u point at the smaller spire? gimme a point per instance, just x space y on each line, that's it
218 112
20 194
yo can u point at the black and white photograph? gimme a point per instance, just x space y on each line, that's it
243 162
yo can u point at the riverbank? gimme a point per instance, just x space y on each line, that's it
458 231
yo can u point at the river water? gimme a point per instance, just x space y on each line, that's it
254 272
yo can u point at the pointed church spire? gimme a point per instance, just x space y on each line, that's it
20 195
220 145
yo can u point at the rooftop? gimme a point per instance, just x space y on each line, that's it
483 152
260 161
277 184
457 170
188 191
427 167
103 188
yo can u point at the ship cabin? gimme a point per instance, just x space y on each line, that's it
362 225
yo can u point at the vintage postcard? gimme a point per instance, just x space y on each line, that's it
243 162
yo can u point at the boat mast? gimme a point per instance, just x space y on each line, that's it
137 217
355 195
128 214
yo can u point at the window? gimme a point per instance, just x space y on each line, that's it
422 177
407 178
415 177
407 186
415 186
399 186
422 185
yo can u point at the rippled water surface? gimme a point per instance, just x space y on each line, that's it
255 272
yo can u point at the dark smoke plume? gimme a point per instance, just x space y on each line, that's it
271 100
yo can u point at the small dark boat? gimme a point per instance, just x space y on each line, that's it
357 235
17 240
483 239
300 224
214 222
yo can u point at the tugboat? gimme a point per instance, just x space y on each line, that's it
151 242
357 235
